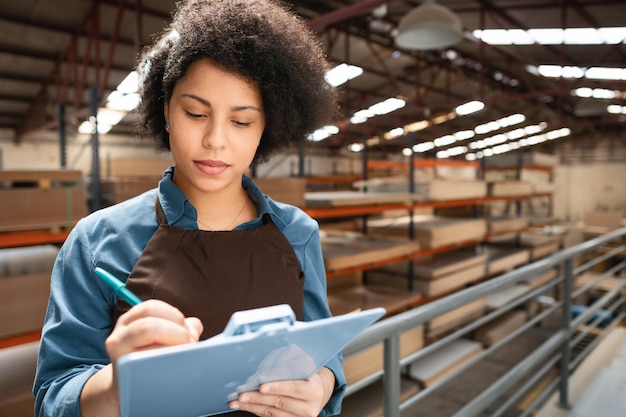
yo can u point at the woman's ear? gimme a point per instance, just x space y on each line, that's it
166 112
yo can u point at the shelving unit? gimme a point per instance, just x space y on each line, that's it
364 294
32 237
40 207
364 210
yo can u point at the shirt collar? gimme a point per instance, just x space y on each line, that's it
177 207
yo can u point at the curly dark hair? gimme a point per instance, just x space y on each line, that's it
261 41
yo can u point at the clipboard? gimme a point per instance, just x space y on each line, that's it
257 346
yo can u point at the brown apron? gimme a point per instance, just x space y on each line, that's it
210 275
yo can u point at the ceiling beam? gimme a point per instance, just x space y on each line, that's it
344 13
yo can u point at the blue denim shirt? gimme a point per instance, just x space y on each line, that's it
80 310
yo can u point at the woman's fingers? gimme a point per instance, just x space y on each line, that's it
150 324
195 327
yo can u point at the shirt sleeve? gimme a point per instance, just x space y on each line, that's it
316 307
77 322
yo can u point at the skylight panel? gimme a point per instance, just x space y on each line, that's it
553 36
520 37
582 36
547 36
604 73
613 36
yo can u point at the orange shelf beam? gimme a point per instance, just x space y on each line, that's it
528 167
363 210
421 163
20 339
348 211
333 179
32 237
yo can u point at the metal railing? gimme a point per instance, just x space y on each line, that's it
553 352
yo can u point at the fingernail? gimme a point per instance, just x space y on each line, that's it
244 399
234 406
265 389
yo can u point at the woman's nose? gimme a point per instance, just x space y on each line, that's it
215 136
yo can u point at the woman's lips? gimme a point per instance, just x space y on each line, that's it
211 167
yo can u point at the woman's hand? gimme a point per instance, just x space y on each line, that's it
289 398
151 324
148 325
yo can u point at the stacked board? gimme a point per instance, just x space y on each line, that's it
351 249
46 199
432 232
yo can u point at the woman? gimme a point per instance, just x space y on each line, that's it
227 84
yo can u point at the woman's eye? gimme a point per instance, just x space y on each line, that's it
241 124
193 115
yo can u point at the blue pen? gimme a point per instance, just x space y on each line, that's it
118 287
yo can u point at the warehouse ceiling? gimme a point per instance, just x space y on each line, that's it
63 52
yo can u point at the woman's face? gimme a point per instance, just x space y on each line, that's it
216 120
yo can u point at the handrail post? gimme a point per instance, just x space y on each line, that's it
391 376
565 349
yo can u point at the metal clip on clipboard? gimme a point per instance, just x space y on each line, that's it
250 321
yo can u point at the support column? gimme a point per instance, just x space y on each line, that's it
96 194
62 135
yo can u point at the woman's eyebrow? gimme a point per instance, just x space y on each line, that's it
208 103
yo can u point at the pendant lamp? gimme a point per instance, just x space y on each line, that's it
429 26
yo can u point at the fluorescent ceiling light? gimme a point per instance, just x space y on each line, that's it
87 127
323 133
394 133
469 108
423 147
616 109
121 101
444 141
599 93
355 120
107 118
130 84
125 102
356 147
457 150
387 106
417 126
531 140
378 109
342 73
464 134
443 118
553 36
